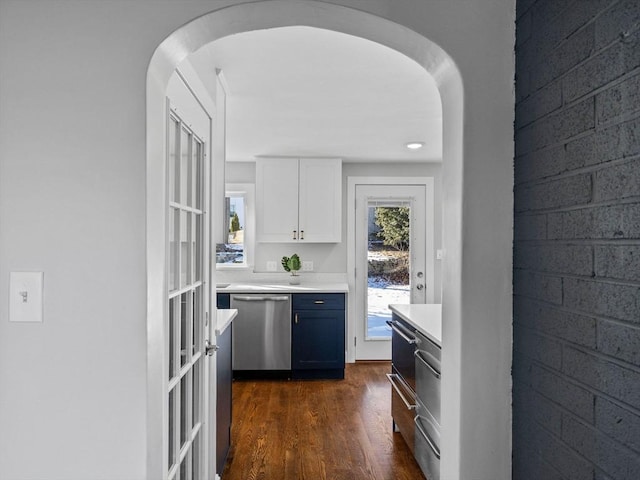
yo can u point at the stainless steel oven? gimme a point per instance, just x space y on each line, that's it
403 379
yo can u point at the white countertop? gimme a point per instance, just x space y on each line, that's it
303 287
425 317
224 317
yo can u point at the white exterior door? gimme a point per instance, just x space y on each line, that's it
187 302
387 274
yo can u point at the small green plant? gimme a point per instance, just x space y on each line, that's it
291 264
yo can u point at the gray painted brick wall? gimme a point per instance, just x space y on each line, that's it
576 349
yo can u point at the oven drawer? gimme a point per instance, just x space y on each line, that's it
403 405
427 365
427 443
403 341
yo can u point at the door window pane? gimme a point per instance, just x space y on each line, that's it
174 220
184 250
185 167
387 266
185 467
172 450
196 337
184 410
185 314
197 177
197 393
197 457
171 354
198 247
191 225
173 168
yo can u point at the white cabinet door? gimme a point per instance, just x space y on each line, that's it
299 200
320 200
277 199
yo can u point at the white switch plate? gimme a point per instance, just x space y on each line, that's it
307 266
439 254
25 296
272 266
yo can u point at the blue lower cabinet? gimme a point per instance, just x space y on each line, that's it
317 336
223 301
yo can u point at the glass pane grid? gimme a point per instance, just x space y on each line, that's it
185 340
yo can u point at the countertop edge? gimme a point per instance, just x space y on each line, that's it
285 288
430 322
224 317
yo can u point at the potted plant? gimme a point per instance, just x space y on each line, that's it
292 264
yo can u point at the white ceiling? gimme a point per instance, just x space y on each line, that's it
311 92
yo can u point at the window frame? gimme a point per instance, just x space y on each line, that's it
247 192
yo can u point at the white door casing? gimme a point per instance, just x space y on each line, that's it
413 196
430 295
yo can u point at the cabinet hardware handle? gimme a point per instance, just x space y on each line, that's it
406 334
294 234
301 234
392 377
419 356
319 302
422 431
295 319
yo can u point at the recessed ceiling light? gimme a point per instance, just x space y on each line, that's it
414 145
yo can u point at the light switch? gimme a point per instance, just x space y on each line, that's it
25 296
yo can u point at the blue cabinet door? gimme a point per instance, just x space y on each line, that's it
317 336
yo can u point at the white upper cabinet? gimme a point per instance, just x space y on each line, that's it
299 200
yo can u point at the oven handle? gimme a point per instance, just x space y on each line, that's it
404 334
434 449
392 377
434 372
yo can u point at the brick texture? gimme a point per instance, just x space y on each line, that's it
576 348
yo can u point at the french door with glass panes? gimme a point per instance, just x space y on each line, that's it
185 334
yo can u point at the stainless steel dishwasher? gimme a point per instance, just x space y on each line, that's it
261 332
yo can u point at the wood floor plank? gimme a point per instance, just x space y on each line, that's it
318 429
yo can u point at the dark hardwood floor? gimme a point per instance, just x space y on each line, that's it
318 429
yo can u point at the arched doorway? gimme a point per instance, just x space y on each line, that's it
280 13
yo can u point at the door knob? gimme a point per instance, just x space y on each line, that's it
419 286
209 348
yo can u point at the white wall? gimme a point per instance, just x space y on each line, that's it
332 257
73 191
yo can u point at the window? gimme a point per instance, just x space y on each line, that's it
238 225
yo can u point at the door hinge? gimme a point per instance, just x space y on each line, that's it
355 341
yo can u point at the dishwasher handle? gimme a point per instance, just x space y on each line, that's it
283 298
